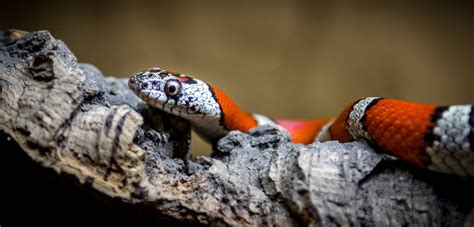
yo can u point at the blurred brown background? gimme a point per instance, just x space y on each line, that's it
299 59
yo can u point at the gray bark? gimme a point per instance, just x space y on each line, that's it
91 129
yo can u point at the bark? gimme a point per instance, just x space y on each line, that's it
116 160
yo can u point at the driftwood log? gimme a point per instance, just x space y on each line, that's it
80 147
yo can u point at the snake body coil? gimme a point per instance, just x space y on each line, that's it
440 138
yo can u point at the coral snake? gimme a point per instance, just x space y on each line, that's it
440 138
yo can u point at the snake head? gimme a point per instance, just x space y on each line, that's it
175 93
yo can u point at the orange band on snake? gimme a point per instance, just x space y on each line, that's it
440 138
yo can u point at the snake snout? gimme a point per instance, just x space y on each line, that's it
136 81
133 81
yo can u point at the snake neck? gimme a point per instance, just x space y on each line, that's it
229 118
232 117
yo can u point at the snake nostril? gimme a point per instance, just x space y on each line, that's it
145 85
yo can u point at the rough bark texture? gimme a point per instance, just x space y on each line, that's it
132 165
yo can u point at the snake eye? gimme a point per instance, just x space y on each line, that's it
172 87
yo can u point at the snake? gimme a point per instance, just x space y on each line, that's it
438 138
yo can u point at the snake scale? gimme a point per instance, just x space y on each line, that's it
439 138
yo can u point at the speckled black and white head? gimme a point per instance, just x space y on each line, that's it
179 95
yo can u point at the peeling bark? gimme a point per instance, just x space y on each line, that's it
69 118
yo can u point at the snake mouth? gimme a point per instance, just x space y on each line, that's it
134 81
134 86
